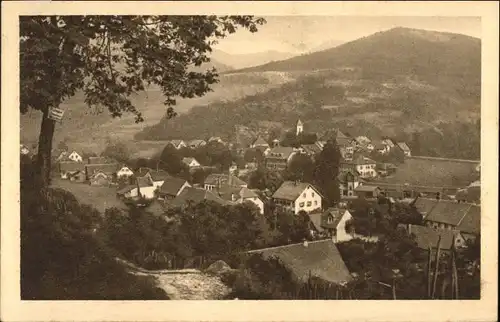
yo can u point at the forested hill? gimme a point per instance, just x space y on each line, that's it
403 51
391 83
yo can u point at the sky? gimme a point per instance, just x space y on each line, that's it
298 34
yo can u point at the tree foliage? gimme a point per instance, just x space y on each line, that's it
111 57
326 173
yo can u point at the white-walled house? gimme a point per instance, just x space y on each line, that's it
366 167
331 223
143 187
74 156
191 162
348 181
124 172
237 195
24 150
298 196
178 144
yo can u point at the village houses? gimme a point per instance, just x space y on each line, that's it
172 187
177 144
404 147
239 195
74 156
194 144
143 187
427 237
124 172
191 162
298 196
366 167
348 181
278 158
215 181
24 150
332 224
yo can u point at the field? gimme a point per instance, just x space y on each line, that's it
87 129
435 172
100 198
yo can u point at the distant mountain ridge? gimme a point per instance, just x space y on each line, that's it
392 81
248 60
410 49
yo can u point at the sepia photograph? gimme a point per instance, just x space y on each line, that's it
250 157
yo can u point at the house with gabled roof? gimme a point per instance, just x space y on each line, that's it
298 196
260 143
278 158
177 144
239 195
68 168
124 171
194 144
405 148
331 223
319 259
24 150
450 215
367 191
143 187
172 187
191 162
365 166
310 149
218 180
107 169
74 156
156 176
191 195
100 178
388 143
428 237
348 181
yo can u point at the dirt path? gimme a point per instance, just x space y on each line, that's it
185 284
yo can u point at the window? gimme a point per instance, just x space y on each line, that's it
309 204
304 195
301 205
329 220
315 202
312 194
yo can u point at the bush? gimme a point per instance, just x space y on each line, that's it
61 258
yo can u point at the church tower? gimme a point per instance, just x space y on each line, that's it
300 127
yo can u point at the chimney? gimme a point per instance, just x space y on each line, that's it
305 243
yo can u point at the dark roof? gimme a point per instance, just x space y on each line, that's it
71 166
188 160
343 141
171 186
159 175
141 172
143 182
281 152
366 188
319 259
224 179
195 195
427 236
448 212
311 148
227 192
471 223
320 219
126 189
424 206
291 190
465 217
260 142
343 175
403 146
437 172
107 168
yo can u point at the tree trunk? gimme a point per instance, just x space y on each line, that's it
45 149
